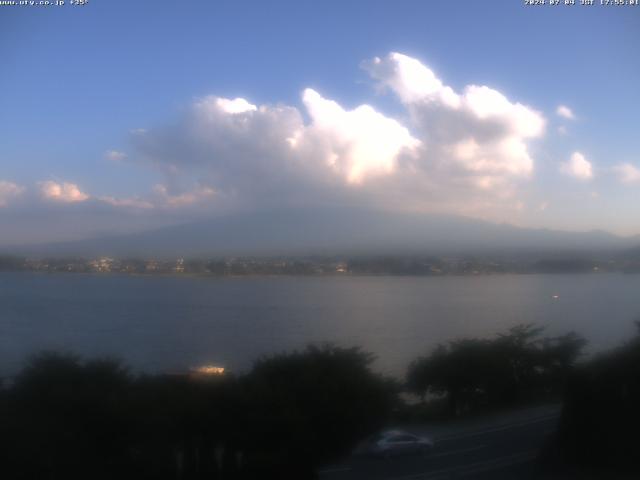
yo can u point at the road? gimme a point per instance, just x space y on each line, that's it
500 447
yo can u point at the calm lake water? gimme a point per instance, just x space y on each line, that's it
173 323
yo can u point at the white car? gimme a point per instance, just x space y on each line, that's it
396 442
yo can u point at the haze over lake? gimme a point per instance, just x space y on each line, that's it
173 323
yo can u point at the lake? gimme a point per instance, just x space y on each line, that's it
158 323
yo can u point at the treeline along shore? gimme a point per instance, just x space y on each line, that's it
64 417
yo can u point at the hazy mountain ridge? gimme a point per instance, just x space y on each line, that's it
334 231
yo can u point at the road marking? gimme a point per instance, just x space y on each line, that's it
455 452
477 467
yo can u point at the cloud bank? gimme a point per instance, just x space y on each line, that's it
467 151
462 152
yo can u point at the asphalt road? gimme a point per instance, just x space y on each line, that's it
501 448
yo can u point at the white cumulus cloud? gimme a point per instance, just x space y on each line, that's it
411 80
628 173
64 192
359 142
478 133
237 105
577 167
458 151
565 112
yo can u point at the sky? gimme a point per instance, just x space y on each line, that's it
121 116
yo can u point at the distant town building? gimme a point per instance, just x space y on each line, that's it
179 268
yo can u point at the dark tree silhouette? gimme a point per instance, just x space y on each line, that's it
313 406
66 419
69 419
600 420
508 369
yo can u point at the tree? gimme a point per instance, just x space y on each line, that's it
510 368
600 419
313 406
65 418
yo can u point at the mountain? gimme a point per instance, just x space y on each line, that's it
334 231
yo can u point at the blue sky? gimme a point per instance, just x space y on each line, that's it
78 86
